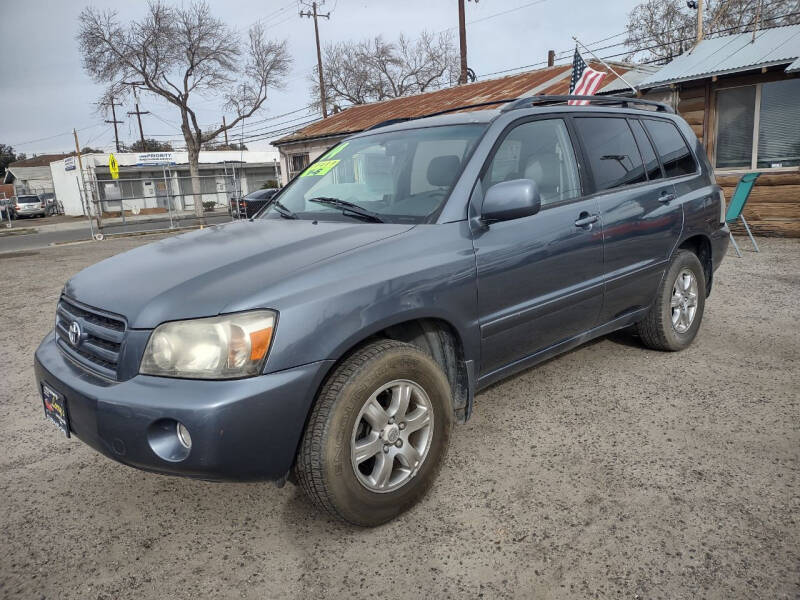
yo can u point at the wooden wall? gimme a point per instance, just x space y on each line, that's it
774 205
773 208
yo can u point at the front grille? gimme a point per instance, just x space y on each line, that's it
98 348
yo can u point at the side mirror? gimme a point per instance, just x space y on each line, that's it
511 200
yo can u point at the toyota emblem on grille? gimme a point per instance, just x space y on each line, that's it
74 333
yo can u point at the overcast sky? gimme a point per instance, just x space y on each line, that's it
44 91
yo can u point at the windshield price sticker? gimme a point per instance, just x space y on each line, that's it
320 168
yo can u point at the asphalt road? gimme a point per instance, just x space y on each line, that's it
611 472
45 236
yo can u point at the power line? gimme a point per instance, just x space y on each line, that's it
497 14
50 137
661 45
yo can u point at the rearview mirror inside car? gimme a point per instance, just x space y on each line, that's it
511 200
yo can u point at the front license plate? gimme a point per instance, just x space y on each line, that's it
55 408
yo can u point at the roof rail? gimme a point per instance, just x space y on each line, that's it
388 122
440 112
623 101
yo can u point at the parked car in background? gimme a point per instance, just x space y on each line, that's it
253 202
336 338
7 212
51 204
31 206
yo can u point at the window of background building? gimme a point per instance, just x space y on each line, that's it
757 126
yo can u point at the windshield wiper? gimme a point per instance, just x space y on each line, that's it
348 207
283 211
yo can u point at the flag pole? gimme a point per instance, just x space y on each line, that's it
577 41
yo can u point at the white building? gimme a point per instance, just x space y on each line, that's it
153 182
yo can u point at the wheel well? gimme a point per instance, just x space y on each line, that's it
440 340
701 246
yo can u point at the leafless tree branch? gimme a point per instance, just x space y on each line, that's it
176 53
375 69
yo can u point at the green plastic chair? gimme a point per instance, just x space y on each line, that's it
735 208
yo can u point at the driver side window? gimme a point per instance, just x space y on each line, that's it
541 151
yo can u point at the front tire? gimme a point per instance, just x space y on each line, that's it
377 434
675 316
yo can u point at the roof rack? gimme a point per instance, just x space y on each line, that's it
623 101
440 112
528 101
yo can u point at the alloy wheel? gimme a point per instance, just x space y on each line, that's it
392 436
683 303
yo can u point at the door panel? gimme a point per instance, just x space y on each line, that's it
540 281
539 277
639 233
641 217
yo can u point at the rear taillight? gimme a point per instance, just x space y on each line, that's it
721 208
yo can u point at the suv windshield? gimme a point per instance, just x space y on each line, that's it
396 177
27 199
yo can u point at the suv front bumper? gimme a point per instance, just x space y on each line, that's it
244 429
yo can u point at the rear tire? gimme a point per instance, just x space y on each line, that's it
675 316
353 419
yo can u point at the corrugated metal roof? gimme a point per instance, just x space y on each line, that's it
731 54
551 80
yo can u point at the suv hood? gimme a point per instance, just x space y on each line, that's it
199 273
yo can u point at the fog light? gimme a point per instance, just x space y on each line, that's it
183 436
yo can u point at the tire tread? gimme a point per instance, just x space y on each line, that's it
308 467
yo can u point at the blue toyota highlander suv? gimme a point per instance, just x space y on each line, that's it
335 338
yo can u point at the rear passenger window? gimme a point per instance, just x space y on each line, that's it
675 154
613 155
651 166
542 151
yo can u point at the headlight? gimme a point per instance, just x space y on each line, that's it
224 347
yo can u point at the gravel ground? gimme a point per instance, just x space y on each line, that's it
612 471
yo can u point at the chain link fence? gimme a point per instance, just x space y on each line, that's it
156 201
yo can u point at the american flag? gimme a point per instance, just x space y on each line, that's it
585 80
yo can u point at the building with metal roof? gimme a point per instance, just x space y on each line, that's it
741 95
779 46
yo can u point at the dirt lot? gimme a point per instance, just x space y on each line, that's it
612 471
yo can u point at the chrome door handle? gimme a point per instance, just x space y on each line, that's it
664 197
586 220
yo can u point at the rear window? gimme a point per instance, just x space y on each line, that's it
613 155
28 199
675 154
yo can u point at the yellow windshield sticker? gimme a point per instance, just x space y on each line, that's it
319 168
335 150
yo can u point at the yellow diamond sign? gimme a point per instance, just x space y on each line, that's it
113 166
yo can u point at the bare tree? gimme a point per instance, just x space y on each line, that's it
659 30
179 53
374 69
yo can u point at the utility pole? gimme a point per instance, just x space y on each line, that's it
462 39
83 183
758 19
315 15
139 114
225 130
699 21
114 121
